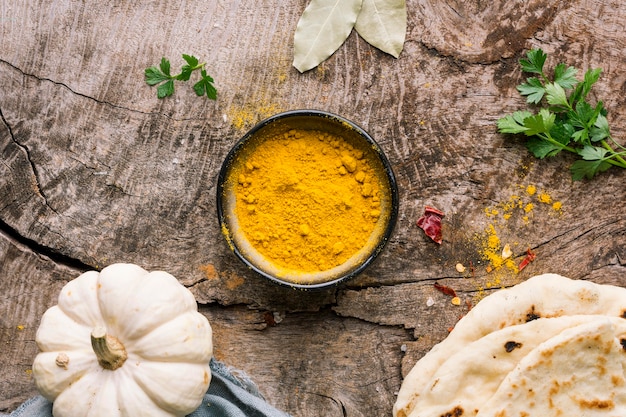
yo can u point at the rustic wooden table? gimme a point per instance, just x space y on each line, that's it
95 170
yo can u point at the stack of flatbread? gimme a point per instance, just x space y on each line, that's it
550 346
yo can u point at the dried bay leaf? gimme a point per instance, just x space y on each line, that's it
382 23
322 29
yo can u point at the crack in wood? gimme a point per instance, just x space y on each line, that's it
103 102
340 403
37 248
26 151
61 84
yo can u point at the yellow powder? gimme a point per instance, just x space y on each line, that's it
234 281
209 271
525 207
544 198
243 117
491 250
308 200
490 211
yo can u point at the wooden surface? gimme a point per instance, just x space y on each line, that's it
95 170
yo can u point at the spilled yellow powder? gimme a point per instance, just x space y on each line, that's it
529 207
544 198
490 211
209 271
248 115
234 281
500 215
491 251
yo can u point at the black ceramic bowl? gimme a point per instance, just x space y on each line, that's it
275 128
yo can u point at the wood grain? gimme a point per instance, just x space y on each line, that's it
95 170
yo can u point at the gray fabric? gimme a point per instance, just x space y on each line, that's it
230 394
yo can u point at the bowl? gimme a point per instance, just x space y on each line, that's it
307 199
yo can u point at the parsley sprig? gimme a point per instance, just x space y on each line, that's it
161 75
569 122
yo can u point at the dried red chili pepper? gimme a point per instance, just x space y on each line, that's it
269 319
430 223
444 289
530 256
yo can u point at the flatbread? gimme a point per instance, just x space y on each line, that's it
548 295
470 377
577 373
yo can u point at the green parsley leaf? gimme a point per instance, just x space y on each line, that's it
588 169
555 95
581 116
584 118
562 132
539 123
166 89
205 85
165 66
187 69
581 136
191 60
536 58
533 89
600 130
565 76
582 89
514 123
593 153
568 122
591 77
155 76
541 149
162 77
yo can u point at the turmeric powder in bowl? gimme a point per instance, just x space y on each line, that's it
307 199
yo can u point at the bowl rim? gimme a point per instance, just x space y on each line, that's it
391 218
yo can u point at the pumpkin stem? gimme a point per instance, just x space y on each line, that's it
109 350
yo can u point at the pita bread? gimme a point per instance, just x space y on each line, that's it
548 295
577 373
470 377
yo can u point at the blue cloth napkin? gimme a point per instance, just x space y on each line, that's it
230 394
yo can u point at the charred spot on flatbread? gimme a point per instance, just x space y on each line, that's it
623 343
597 404
532 314
623 315
510 346
456 412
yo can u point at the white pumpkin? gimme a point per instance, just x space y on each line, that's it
123 342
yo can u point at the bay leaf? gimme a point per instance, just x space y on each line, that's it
382 23
322 29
